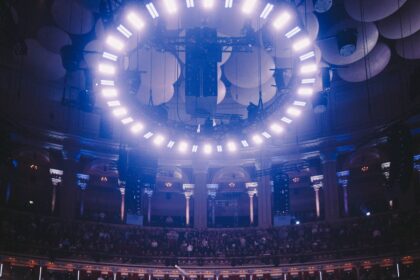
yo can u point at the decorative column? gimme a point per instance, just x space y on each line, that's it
329 166
149 193
317 185
251 188
122 191
200 169
82 183
212 192
56 179
188 192
263 168
343 181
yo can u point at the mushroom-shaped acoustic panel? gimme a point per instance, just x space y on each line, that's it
41 62
335 50
244 96
403 23
242 68
157 94
72 17
372 10
368 67
221 91
53 38
92 53
409 47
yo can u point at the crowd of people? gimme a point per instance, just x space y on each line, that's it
395 233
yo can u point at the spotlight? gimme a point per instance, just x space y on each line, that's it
152 10
107 83
114 103
207 149
231 146
276 128
307 55
148 135
114 43
219 148
248 6
158 140
110 56
106 69
135 21
286 120
301 44
208 4
266 135
368 213
308 68
124 31
182 146
257 139
305 91
299 103
297 222
126 121
136 128
170 6
194 148
293 32
281 20
293 111
190 3
308 81
244 143
109 92
171 144
267 10
120 112
228 4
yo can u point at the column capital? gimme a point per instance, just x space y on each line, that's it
82 180
56 176
122 191
148 192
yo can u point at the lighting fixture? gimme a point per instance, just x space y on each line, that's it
114 43
135 21
281 20
231 146
266 135
194 148
299 103
305 91
244 143
114 103
119 112
293 32
106 69
170 6
308 68
228 4
124 31
219 148
267 10
257 139
248 6
109 92
308 81
152 10
136 128
126 121
158 139
276 128
190 3
293 111
307 55
207 149
110 56
171 144
148 135
286 120
208 4
182 146
301 44
107 83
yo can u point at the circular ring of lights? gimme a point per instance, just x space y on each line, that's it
281 19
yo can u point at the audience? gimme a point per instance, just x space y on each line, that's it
28 234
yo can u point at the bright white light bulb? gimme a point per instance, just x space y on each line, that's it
248 6
257 139
182 146
276 128
136 128
295 112
135 21
301 44
282 20
231 146
158 140
207 149
114 43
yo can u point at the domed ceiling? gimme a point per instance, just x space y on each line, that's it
60 40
